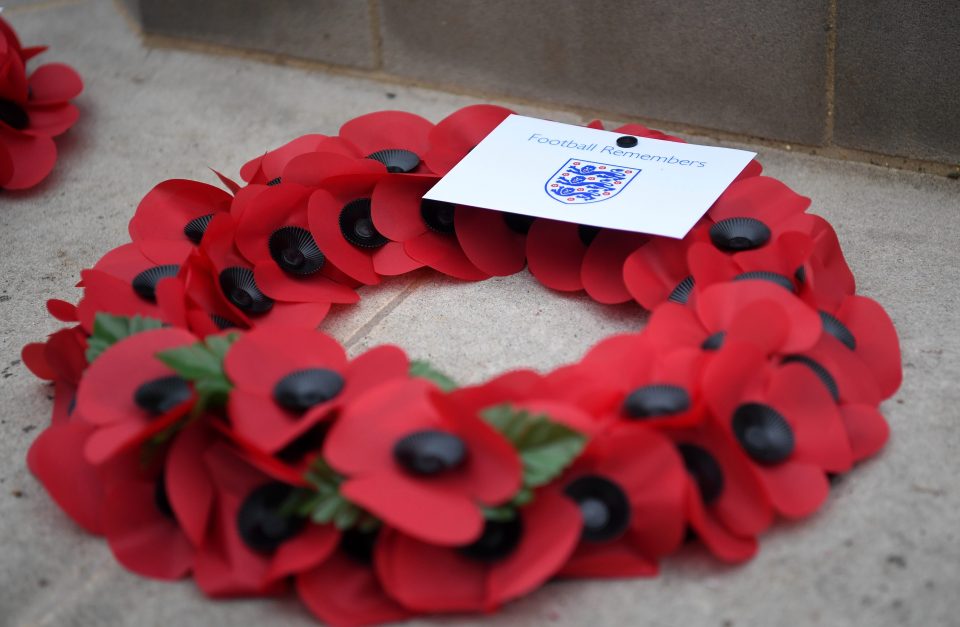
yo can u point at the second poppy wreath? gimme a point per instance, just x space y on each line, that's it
206 428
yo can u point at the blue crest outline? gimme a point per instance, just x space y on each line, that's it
588 196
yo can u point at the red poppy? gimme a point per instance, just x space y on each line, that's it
825 278
507 560
61 358
458 133
657 272
341 221
33 110
630 487
785 422
174 215
758 312
425 227
273 235
230 282
130 395
397 139
251 546
286 381
420 462
126 282
345 591
269 168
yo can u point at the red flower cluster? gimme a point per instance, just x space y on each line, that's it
205 427
33 110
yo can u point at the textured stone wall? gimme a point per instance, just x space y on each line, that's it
870 75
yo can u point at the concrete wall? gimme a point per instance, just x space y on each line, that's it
870 75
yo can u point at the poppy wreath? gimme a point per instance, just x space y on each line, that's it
205 427
34 109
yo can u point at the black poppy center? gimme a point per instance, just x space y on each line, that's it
161 499
705 470
260 522
158 396
763 275
518 223
303 389
587 233
241 289
295 251
714 341
358 545
837 329
818 369
650 401
763 433
397 160
194 229
437 215
145 283
13 115
736 234
499 539
603 505
681 293
430 452
356 225
275 181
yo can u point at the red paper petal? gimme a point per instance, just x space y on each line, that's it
52 120
797 490
54 83
443 253
458 133
395 205
323 212
314 288
555 254
387 129
489 243
602 270
393 260
188 485
866 429
32 158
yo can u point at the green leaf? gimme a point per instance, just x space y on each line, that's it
423 369
502 513
325 504
202 363
545 447
109 329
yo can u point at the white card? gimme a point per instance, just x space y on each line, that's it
577 174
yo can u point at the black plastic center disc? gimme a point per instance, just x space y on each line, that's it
704 469
158 396
273 182
240 289
651 401
430 452
161 499
437 215
714 342
818 369
398 161
356 225
13 115
626 141
587 233
194 229
735 234
499 539
303 389
681 293
763 275
518 223
763 433
837 329
295 251
145 283
259 521
603 505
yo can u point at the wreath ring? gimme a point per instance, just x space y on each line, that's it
205 427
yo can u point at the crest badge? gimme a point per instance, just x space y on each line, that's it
578 182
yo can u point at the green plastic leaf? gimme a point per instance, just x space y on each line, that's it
202 363
502 513
546 447
423 369
326 505
109 329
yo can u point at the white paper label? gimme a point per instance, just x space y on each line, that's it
577 174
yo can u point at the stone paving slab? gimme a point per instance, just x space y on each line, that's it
884 550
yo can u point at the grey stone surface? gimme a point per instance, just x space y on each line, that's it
746 66
897 89
332 31
883 552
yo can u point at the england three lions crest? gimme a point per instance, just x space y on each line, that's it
579 182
